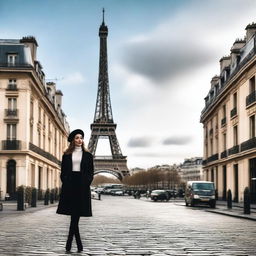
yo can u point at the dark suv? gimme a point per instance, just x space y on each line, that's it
159 195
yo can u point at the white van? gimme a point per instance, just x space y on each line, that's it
200 192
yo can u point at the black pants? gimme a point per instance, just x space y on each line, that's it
74 230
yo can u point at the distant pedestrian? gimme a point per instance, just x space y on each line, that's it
76 176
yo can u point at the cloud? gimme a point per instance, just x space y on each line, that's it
140 142
162 60
186 42
184 140
74 78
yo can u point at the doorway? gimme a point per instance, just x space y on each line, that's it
224 181
11 179
235 182
252 181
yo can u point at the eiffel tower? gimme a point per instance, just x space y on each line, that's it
103 126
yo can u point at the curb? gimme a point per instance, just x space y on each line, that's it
232 215
9 213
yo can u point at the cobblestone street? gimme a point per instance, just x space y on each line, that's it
126 226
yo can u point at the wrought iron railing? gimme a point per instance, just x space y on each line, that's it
43 153
11 144
233 150
251 98
249 144
12 87
224 154
15 65
11 112
213 158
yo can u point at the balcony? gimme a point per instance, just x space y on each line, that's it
12 87
15 65
11 145
224 154
233 112
11 112
43 153
249 144
223 121
233 150
213 158
251 98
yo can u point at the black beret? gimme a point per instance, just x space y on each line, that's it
72 135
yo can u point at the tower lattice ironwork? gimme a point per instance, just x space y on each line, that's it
103 126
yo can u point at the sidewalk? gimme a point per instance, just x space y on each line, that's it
10 208
237 210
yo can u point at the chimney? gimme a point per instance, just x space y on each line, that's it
224 62
51 89
215 80
59 98
31 42
250 31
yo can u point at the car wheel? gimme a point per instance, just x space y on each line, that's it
213 204
192 204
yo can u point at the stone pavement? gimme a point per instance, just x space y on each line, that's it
127 226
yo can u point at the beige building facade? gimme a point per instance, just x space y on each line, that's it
191 169
229 121
33 126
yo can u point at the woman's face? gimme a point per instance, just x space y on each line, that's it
78 140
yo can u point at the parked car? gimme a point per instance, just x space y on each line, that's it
94 195
172 193
159 195
118 193
200 192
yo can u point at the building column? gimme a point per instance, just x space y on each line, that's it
243 176
230 178
36 175
3 178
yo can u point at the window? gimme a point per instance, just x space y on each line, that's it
12 59
12 81
44 120
224 111
224 141
31 133
12 103
31 109
211 146
252 126
11 131
252 84
39 114
235 134
235 100
39 139
44 142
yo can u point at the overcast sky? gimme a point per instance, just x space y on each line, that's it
162 55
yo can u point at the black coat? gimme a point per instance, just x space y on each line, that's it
66 203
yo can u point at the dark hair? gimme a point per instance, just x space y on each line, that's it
72 146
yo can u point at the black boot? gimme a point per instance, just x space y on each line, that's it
69 243
78 242
70 237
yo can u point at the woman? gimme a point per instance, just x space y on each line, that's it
76 176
